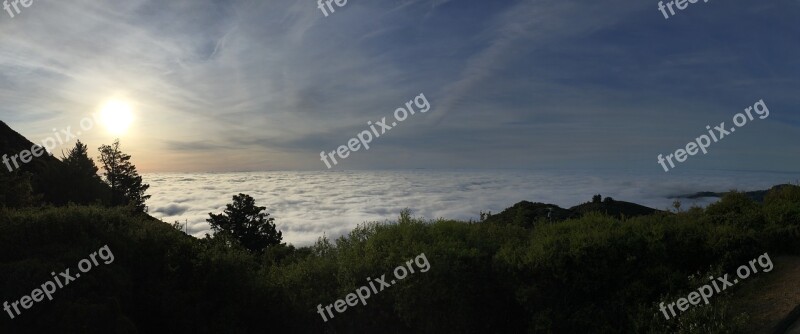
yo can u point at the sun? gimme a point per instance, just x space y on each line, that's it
117 116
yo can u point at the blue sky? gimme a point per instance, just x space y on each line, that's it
267 85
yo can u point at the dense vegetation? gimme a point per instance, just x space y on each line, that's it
596 273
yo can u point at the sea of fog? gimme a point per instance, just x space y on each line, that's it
307 205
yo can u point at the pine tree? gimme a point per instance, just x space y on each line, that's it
77 159
84 186
126 184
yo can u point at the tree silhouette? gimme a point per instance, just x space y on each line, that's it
78 160
83 184
245 222
126 184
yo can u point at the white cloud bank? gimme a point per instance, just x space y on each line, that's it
307 204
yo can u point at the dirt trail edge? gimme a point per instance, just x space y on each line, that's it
773 300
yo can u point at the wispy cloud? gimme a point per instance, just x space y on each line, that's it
243 85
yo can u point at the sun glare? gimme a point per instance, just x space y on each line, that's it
117 116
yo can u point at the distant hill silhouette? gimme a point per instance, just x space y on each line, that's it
614 208
527 214
757 195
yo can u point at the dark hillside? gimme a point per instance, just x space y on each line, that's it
617 209
527 214
43 180
12 143
159 281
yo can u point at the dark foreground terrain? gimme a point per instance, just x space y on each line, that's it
596 273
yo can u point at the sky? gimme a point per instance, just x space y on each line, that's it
227 86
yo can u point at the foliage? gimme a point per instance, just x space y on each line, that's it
80 182
246 223
161 281
127 187
16 190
